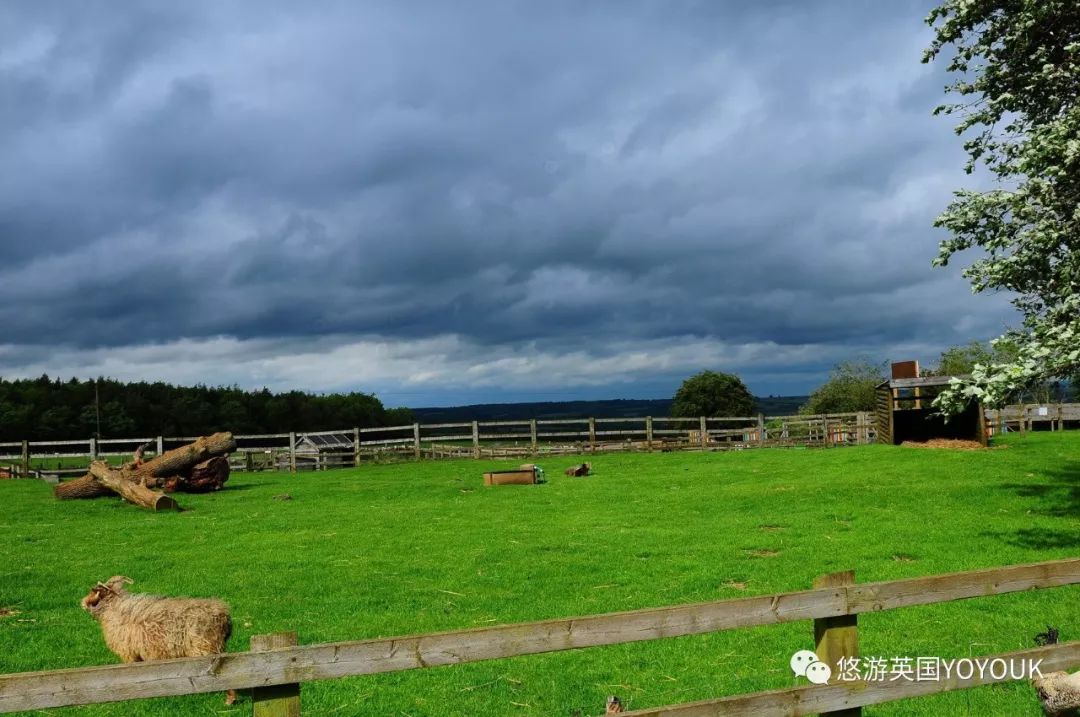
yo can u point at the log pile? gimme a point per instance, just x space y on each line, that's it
198 467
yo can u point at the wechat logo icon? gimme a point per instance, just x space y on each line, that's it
805 663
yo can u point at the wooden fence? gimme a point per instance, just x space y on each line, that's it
320 450
276 666
1034 416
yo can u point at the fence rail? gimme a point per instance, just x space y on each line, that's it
305 663
499 439
476 439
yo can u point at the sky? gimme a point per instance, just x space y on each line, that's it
446 203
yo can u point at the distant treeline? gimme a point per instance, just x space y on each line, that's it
615 408
51 409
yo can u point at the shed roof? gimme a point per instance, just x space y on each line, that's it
919 382
326 440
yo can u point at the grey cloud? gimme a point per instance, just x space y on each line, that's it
503 172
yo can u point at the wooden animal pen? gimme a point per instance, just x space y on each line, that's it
320 451
905 410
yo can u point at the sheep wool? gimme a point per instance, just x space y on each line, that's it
149 627
1059 693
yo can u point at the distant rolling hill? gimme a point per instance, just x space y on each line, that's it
614 408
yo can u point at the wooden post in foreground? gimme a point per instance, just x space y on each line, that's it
837 637
276 700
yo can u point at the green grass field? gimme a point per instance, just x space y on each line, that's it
397 549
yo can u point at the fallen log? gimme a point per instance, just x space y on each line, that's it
131 490
180 461
85 487
195 468
205 477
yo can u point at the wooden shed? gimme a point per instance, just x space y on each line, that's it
905 410
319 451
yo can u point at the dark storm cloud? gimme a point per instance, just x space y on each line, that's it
506 173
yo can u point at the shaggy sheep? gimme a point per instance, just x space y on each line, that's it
614 705
1059 692
150 627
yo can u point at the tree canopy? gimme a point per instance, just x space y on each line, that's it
710 393
1017 67
850 388
51 409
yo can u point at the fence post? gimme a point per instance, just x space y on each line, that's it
837 637
276 700
703 430
761 428
160 445
825 430
292 451
648 433
532 436
416 440
476 439
249 462
93 449
1023 419
356 446
592 434
24 459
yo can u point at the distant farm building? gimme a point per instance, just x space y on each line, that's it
905 410
319 451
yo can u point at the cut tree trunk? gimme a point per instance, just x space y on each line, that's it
205 477
131 490
86 487
180 460
197 467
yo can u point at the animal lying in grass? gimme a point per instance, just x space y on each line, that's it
580 470
1059 692
141 627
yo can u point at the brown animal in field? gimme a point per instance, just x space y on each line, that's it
141 627
614 706
580 470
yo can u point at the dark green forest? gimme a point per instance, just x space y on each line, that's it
52 409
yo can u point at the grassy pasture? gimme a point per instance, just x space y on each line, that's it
396 549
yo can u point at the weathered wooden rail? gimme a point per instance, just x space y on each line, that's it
833 606
321 450
507 439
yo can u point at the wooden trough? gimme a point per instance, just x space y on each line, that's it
514 477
